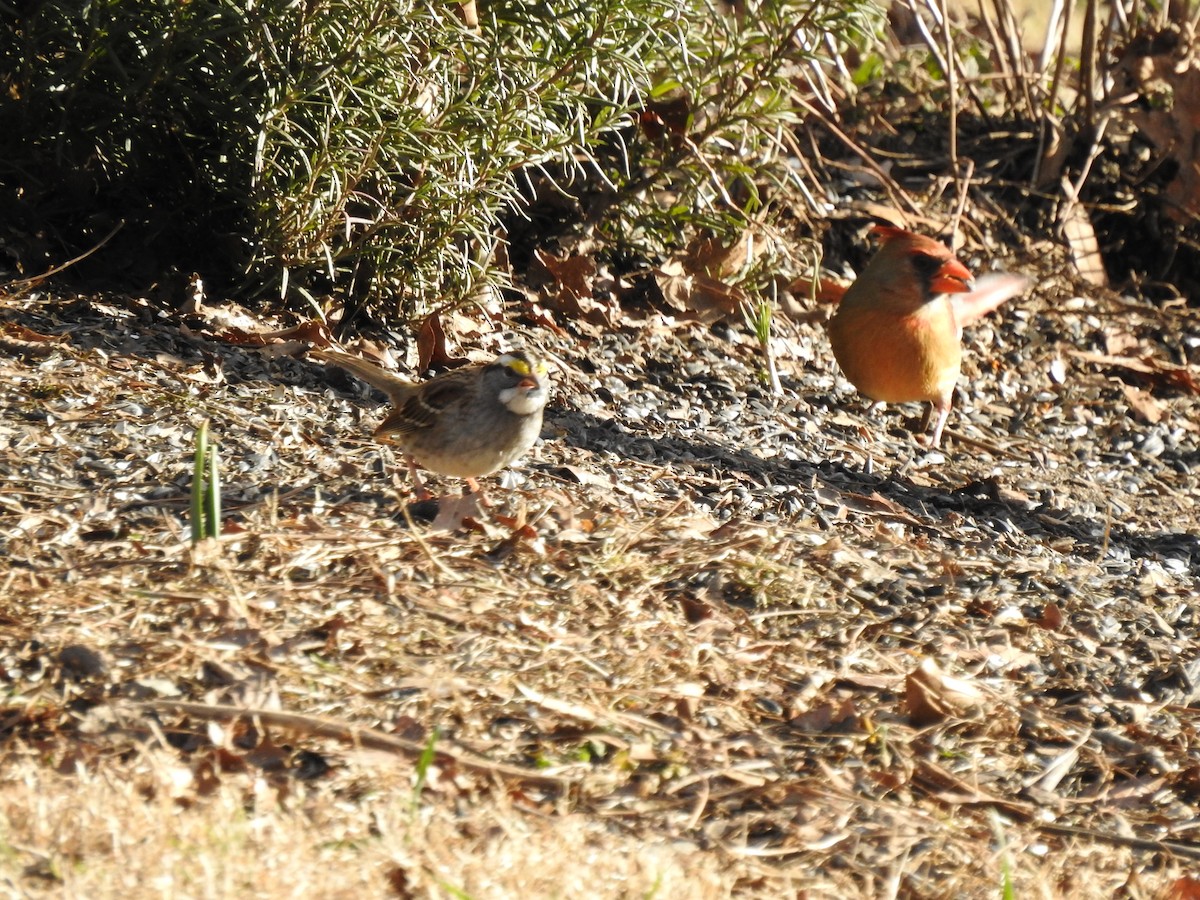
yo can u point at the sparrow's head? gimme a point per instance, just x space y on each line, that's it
521 380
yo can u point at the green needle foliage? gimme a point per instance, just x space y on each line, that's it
371 149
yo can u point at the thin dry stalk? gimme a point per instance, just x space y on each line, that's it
355 735
898 195
1010 39
1088 64
952 86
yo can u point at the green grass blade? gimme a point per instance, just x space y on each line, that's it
198 457
212 495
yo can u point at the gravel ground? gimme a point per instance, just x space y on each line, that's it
1050 552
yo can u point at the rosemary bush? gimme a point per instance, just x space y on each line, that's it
369 148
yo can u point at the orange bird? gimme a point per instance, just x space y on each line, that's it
897 332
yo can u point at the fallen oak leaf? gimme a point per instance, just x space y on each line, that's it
709 256
931 696
539 315
575 295
16 331
1144 404
572 273
706 299
822 289
312 331
21 341
432 347
1159 372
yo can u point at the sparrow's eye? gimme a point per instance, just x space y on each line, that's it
515 366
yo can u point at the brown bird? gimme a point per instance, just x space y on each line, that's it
897 332
465 423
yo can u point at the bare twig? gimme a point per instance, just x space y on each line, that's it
1087 65
50 273
369 738
952 88
1174 848
897 193
1010 39
964 184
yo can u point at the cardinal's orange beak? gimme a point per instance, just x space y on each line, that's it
952 278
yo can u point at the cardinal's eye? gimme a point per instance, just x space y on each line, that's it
927 266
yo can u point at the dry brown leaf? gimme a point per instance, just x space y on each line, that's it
704 298
575 297
889 215
469 15
539 315
1120 343
669 118
1166 374
573 273
1081 240
948 788
16 331
875 504
932 696
312 332
1185 888
1143 404
454 511
1052 617
1054 157
433 350
284 349
1163 71
585 476
709 256
824 290
203 375
894 217
826 715
1134 793
22 341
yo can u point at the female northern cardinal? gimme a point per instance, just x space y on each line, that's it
897 330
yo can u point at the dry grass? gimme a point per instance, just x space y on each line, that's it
634 693
140 830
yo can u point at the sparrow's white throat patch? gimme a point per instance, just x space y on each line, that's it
523 401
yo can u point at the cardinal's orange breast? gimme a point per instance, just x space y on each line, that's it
899 358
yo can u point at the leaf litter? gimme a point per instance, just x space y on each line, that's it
709 639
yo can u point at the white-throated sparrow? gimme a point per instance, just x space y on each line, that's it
467 422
